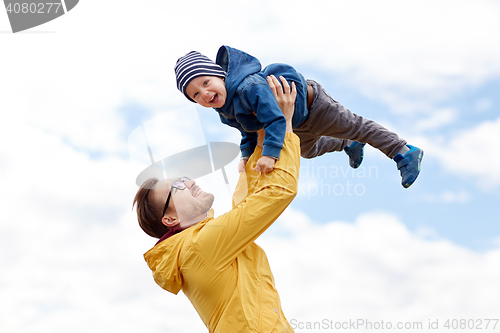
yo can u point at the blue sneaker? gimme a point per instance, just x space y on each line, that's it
355 152
409 165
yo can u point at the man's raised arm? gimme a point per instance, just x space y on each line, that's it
223 238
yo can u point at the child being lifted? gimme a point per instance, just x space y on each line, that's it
236 87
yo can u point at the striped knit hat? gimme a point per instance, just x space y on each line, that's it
193 65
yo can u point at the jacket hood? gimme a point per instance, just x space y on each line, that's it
238 65
163 260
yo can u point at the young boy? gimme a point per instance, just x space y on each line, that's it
237 88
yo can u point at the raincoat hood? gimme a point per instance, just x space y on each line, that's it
163 260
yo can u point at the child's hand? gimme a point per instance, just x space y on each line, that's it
265 164
241 165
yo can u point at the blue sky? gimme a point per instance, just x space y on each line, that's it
353 244
454 206
468 220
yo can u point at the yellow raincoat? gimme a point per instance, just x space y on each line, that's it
216 263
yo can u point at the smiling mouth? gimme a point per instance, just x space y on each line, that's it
213 99
197 192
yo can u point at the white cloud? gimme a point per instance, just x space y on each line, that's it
66 275
455 197
472 153
76 278
437 119
407 54
484 104
449 197
401 53
70 249
469 153
376 269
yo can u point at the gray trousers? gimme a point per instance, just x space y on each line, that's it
330 125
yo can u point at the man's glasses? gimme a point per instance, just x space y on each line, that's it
179 184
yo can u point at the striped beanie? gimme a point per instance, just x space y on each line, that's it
193 65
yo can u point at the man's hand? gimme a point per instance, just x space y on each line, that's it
284 96
265 164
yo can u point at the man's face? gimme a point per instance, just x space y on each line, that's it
189 203
208 91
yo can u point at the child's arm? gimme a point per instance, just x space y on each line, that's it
260 140
264 164
286 103
257 100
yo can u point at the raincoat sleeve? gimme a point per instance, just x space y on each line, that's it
266 197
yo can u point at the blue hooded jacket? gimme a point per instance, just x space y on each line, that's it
250 104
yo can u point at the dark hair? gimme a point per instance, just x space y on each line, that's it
148 210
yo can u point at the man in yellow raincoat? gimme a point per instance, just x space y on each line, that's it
215 262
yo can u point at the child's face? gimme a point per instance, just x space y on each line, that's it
208 91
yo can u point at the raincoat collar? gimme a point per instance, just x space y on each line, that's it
176 230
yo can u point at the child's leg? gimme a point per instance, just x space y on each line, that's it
328 117
312 145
